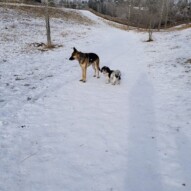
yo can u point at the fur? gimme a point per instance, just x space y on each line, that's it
113 76
85 60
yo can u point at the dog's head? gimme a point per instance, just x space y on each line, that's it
105 70
75 54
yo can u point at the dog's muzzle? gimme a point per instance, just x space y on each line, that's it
71 58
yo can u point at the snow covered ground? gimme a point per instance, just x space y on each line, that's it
58 134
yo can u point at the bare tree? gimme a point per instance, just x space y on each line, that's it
166 16
138 12
139 16
161 14
152 10
150 30
129 11
47 18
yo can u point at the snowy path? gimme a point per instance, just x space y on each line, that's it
94 137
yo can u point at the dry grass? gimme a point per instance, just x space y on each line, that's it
39 11
185 26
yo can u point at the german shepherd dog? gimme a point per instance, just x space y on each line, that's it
85 60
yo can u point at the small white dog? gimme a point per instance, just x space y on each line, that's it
113 76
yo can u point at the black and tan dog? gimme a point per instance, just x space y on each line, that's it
85 60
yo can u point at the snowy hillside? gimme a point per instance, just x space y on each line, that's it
58 134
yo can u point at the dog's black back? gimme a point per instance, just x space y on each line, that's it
92 57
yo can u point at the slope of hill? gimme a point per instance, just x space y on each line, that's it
60 134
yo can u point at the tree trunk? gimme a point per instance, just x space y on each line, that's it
150 31
161 15
129 11
166 17
140 15
48 33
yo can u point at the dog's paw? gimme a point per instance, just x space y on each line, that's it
94 76
82 80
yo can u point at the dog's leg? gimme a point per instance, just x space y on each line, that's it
97 67
97 70
83 74
113 82
108 80
93 65
84 68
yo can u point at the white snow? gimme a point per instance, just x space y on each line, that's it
58 134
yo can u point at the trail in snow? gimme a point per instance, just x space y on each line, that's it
93 136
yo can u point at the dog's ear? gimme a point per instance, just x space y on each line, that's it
75 50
